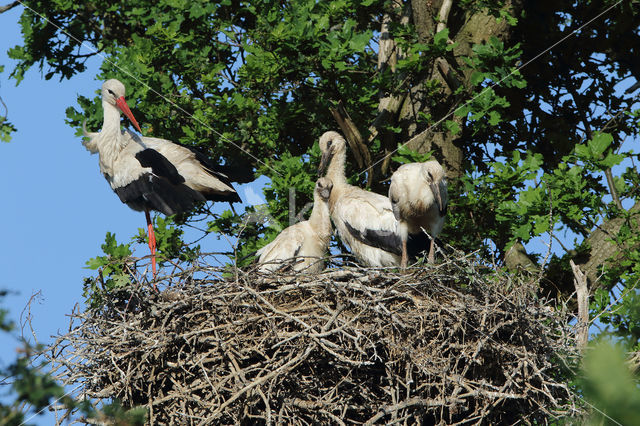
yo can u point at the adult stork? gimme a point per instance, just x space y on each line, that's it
364 220
304 243
418 194
150 173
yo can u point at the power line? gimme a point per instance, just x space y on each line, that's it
169 101
536 57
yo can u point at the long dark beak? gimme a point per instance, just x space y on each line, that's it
324 162
122 104
435 188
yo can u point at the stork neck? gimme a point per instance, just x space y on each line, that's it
320 220
111 123
335 171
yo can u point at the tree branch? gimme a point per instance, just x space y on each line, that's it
612 188
388 55
582 294
602 246
9 6
443 15
356 142
6 109
448 75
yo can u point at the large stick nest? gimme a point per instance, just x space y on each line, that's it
441 344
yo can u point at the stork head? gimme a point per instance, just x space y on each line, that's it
323 188
113 94
330 143
434 175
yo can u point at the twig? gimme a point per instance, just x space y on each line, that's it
582 294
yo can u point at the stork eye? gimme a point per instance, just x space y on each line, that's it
111 92
430 175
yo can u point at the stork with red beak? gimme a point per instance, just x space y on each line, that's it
150 173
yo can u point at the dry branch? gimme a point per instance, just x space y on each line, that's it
9 6
349 346
582 294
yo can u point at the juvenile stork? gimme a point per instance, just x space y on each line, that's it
364 220
305 243
150 173
418 194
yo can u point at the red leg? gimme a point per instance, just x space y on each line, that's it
152 244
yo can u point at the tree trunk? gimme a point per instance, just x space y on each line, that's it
450 73
603 250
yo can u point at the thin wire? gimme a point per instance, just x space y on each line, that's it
615 302
44 408
82 43
562 40
127 72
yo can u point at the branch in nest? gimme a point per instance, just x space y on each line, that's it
358 345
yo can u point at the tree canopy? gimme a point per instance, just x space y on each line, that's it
530 106
531 125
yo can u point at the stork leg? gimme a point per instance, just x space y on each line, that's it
152 245
404 261
432 251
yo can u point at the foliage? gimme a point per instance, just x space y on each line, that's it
405 155
6 128
115 267
32 385
169 242
113 272
530 203
609 386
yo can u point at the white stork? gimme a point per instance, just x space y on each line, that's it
418 194
304 243
364 220
150 173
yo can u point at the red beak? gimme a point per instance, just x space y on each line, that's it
122 104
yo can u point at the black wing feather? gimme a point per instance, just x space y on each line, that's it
391 241
209 165
213 169
385 240
150 192
160 165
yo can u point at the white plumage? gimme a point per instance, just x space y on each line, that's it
304 243
364 220
150 173
418 194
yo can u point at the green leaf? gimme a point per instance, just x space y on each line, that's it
494 118
611 160
523 232
441 37
452 127
599 143
583 151
477 77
